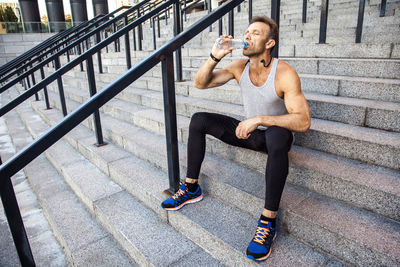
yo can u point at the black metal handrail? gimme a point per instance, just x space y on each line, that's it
61 51
38 57
44 45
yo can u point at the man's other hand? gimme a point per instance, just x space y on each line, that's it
244 129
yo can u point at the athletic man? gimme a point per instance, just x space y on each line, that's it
275 107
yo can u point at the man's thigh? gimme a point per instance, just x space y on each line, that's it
224 128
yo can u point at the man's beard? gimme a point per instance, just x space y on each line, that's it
250 53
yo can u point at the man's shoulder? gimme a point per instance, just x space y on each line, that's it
284 68
287 77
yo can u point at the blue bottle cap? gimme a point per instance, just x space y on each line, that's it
245 44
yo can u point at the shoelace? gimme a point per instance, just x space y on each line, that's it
261 235
179 193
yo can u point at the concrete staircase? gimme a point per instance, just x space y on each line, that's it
341 202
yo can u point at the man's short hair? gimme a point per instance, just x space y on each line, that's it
273 27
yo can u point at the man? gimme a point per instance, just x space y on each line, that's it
275 107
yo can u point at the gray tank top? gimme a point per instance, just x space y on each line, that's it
261 100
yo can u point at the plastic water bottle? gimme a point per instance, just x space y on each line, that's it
228 43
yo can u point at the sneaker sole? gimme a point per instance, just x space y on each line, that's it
194 200
262 258
266 256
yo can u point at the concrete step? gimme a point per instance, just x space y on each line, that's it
80 236
215 179
217 238
133 226
45 248
153 120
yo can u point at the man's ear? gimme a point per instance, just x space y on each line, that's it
270 44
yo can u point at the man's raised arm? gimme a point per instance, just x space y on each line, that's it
206 77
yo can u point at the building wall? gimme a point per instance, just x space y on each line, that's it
15 44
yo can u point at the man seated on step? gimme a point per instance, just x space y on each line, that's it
274 105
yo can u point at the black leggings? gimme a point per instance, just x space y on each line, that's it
276 141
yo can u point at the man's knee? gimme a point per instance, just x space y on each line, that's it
278 139
198 121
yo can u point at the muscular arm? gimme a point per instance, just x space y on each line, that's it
298 117
206 77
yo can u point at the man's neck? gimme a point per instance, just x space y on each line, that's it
260 62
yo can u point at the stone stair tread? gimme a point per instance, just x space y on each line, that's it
365 174
367 103
373 231
120 211
75 229
343 208
381 137
353 79
45 248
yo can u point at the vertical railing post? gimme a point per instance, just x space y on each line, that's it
154 33
92 90
127 47
68 59
27 80
139 32
158 27
33 84
184 7
60 87
323 21
134 39
177 30
115 42
383 8
231 26
167 68
360 21
275 12
99 53
220 22
46 96
209 11
304 18
105 37
15 222
250 10
80 52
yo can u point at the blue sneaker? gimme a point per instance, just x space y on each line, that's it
260 247
182 197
